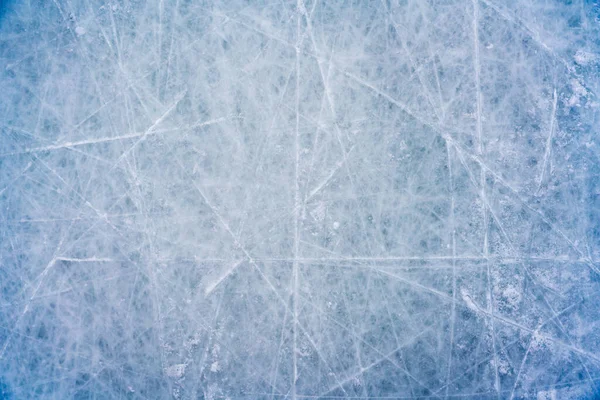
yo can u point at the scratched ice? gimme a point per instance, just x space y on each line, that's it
310 199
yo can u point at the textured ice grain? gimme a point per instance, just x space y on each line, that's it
299 199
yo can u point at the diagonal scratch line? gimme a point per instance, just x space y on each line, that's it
135 135
213 285
519 326
386 96
239 245
362 370
416 285
548 143
326 181
16 178
150 129
67 145
40 280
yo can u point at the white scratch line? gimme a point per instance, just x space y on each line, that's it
211 287
548 143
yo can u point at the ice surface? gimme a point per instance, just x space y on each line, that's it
304 200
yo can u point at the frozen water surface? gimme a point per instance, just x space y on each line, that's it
299 200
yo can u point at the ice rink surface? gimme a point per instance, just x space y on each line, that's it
320 199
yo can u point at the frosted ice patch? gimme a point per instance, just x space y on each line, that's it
214 367
547 395
584 57
176 371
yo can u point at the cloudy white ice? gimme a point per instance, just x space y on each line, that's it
312 199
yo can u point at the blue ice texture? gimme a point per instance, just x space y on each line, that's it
311 199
